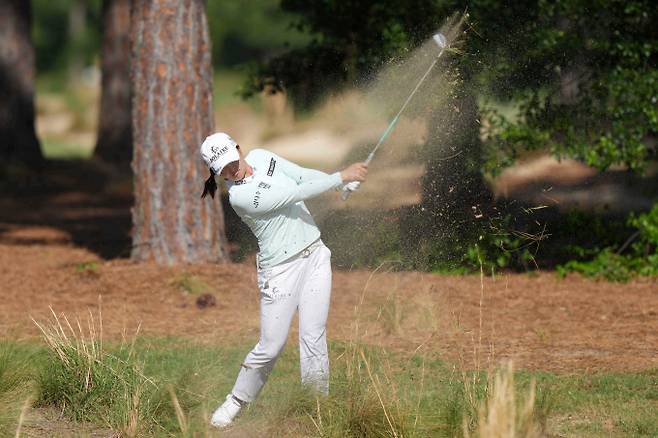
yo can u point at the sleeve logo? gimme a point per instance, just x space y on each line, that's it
270 171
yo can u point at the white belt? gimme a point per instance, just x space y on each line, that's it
309 249
305 253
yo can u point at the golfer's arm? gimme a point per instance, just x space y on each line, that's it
298 173
271 198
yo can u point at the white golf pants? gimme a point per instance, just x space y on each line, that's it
303 282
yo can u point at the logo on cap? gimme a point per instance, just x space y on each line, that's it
216 152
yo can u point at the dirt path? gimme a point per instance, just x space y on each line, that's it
540 321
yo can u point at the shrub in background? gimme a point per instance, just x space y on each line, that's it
646 247
637 255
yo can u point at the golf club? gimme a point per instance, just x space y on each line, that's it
440 41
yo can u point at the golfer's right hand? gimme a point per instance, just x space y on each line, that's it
354 172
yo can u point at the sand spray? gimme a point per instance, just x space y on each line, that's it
376 208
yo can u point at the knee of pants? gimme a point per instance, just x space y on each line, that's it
267 352
314 343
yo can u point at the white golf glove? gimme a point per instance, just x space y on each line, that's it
349 188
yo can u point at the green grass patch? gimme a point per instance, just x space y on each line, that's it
17 376
170 387
84 267
191 284
63 150
56 82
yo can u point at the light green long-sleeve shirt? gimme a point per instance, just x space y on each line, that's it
271 203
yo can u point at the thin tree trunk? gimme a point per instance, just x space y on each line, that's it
18 140
114 143
172 112
77 24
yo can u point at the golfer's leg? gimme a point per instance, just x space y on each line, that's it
278 303
313 312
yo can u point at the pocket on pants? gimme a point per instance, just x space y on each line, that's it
269 282
263 277
264 287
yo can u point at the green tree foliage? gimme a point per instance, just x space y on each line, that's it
240 32
50 33
350 40
584 73
245 31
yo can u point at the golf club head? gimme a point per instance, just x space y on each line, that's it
440 40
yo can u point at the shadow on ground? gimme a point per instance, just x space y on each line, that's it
81 198
90 203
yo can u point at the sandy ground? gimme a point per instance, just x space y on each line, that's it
540 321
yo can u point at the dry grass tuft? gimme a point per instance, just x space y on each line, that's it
502 416
69 344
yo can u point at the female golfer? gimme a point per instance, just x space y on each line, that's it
294 269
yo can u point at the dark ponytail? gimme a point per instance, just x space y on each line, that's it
210 186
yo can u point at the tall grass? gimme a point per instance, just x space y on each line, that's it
361 404
421 395
89 383
373 395
16 391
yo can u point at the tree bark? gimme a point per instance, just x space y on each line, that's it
18 140
171 75
114 143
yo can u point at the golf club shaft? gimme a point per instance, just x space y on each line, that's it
404 106
348 190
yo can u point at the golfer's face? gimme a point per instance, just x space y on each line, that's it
233 171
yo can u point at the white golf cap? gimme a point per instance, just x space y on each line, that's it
217 150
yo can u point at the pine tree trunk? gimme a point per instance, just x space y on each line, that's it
18 140
114 144
171 76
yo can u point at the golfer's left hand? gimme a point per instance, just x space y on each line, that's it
355 172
